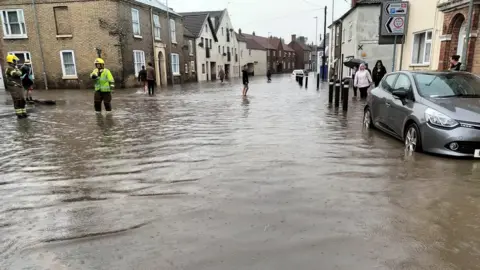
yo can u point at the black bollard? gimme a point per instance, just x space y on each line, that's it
306 82
296 78
337 93
318 81
300 80
331 85
346 88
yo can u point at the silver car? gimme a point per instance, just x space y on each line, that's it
436 112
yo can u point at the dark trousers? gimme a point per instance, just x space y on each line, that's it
19 102
106 97
355 91
377 83
151 87
363 92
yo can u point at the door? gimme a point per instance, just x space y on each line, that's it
399 110
2 83
379 102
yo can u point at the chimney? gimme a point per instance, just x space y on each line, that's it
253 34
294 37
240 31
354 3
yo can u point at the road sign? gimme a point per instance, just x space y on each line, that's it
394 18
395 25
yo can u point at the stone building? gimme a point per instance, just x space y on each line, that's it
126 33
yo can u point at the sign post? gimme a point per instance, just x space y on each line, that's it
394 22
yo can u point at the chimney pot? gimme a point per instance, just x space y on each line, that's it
240 31
253 34
294 37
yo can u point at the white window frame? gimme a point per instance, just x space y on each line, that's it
136 21
190 47
192 66
157 27
69 76
26 55
21 20
138 61
173 31
423 61
350 32
176 63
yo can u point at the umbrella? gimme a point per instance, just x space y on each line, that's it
353 63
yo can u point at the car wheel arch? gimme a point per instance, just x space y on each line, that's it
407 124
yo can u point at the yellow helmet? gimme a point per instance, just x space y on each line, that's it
99 61
12 58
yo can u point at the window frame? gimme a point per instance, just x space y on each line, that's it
63 64
384 80
135 61
192 66
173 32
139 35
177 63
350 32
426 42
21 19
157 25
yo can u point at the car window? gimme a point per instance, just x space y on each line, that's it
403 82
388 81
447 84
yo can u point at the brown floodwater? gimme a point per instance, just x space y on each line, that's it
200 178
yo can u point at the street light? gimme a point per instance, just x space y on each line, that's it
316 43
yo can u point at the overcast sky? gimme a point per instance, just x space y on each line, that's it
280 18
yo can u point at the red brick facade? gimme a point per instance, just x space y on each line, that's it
452 23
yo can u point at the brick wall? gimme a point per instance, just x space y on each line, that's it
451 26
187 58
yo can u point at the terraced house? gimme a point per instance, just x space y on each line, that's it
62 39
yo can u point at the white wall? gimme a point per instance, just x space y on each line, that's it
225 23
201 52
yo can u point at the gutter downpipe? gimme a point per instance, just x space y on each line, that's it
464 58
40 44
169 47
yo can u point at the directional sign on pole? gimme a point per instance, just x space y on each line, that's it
394 18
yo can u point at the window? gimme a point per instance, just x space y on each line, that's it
157 27
388 81
218 48
203 68
174 32
350 32
186 68
190 47
422 45
249 52
68 63
14 24
175 64
273 53
444 85
223 49
138 60
22 56
192 66
201 42
343 35
206 28
403 82
222 31
62 21
337 35
136 22
210 43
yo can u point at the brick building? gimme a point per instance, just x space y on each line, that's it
189 59
454 33
127 34
302 52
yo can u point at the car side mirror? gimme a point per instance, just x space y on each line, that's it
401 94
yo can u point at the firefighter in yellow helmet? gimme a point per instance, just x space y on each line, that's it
103 86
13 82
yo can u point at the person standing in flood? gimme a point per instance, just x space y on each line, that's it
378 73
27 79
151 79
363 80
269 76
103 86
13 82
245 80
142 77
221 75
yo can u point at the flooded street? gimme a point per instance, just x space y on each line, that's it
200 178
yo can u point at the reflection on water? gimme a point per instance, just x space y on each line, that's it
200 177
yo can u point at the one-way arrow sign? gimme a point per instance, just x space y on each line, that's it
395 25
394 18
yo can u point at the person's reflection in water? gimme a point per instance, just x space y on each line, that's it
245 105
105 123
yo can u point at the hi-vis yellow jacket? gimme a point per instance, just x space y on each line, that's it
104 81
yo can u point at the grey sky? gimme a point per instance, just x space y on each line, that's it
281 18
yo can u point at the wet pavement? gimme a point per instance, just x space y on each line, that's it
200 178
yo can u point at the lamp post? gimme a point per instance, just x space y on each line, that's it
463 67
316 44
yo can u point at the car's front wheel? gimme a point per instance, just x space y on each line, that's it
412 139
367 119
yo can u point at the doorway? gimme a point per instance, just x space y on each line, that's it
227 71
213 68
2 83
462 34
161 69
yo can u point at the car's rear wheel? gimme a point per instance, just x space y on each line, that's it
412 139
367 119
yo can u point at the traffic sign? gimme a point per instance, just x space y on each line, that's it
395 25
394 18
